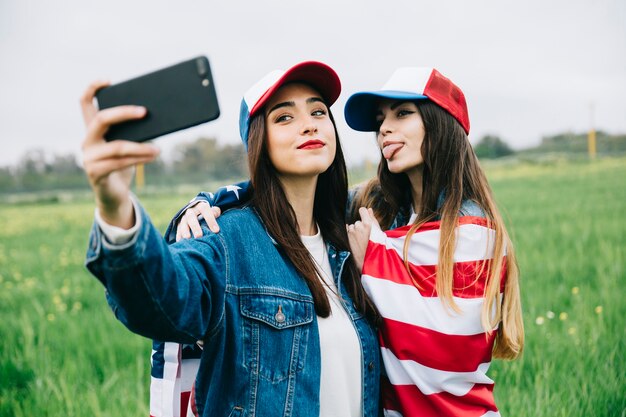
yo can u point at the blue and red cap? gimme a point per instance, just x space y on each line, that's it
316 74
410 84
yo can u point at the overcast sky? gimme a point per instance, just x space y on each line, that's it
528 68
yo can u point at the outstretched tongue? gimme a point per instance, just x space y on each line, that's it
391 149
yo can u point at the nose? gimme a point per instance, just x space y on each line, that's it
386 127
309 126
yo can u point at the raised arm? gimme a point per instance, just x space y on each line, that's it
156 290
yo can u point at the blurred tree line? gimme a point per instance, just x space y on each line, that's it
491 146
576 143
205 161
196 163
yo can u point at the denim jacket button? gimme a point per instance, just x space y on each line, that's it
371 366
280 317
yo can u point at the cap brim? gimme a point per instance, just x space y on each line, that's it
316 74
361 108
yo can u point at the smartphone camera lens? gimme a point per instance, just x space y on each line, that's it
202 67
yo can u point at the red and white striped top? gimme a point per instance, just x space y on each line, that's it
435 360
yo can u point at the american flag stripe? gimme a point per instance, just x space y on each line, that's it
437 350
477 243
412 402
390 266
171 381
436 359
163 402
430 380
436 225
405 304
189 370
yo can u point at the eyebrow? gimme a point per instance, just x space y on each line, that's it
393 106
293 103
398 104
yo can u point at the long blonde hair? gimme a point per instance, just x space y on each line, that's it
451 169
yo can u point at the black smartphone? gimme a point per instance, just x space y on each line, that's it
176 97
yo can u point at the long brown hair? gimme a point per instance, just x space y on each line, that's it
328 211
451 169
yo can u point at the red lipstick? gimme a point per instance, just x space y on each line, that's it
312 144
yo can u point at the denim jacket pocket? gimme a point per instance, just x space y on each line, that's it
276 334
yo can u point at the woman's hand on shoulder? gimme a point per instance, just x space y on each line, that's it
189 223
359 234
109 165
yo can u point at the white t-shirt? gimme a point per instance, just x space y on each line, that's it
340 382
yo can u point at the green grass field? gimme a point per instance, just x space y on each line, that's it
62 353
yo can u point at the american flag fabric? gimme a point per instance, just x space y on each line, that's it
435 359
173 372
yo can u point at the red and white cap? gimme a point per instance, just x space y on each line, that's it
316 74
410 83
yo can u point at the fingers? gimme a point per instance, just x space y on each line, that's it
368 218
358 228
101 159
119 149
101 169
86 100
373 219
103 119
210 214
98 122
366 215
359 232
358 236
190 222
182 229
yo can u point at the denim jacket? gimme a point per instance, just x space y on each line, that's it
227 290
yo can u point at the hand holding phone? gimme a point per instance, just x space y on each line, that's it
176 97
109 166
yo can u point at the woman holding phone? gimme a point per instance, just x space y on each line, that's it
444 275
274 299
